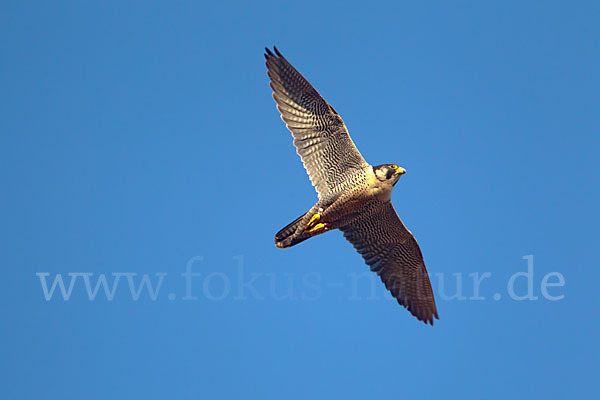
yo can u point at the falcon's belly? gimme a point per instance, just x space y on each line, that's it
366 189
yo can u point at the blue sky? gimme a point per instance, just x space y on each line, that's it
140 139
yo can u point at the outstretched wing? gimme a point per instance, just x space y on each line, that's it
393 253
320 136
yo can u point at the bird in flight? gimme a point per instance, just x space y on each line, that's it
354 196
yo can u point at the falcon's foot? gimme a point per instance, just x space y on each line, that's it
313 222
317 227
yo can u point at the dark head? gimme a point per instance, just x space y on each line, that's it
389 172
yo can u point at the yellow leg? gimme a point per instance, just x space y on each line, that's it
316 227
313 220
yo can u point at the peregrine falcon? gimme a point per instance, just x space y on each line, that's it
354 196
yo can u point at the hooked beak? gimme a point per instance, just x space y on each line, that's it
399 172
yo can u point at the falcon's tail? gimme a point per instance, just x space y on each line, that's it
291 235
287 237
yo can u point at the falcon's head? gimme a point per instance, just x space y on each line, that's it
389 172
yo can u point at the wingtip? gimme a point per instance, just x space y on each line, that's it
432 318
269 52
427 318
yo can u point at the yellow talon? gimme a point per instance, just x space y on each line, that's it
317 227
313 220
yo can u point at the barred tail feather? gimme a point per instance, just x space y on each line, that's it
291 235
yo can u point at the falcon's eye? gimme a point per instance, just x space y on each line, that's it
393 166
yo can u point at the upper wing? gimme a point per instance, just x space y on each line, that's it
320 136
393 253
